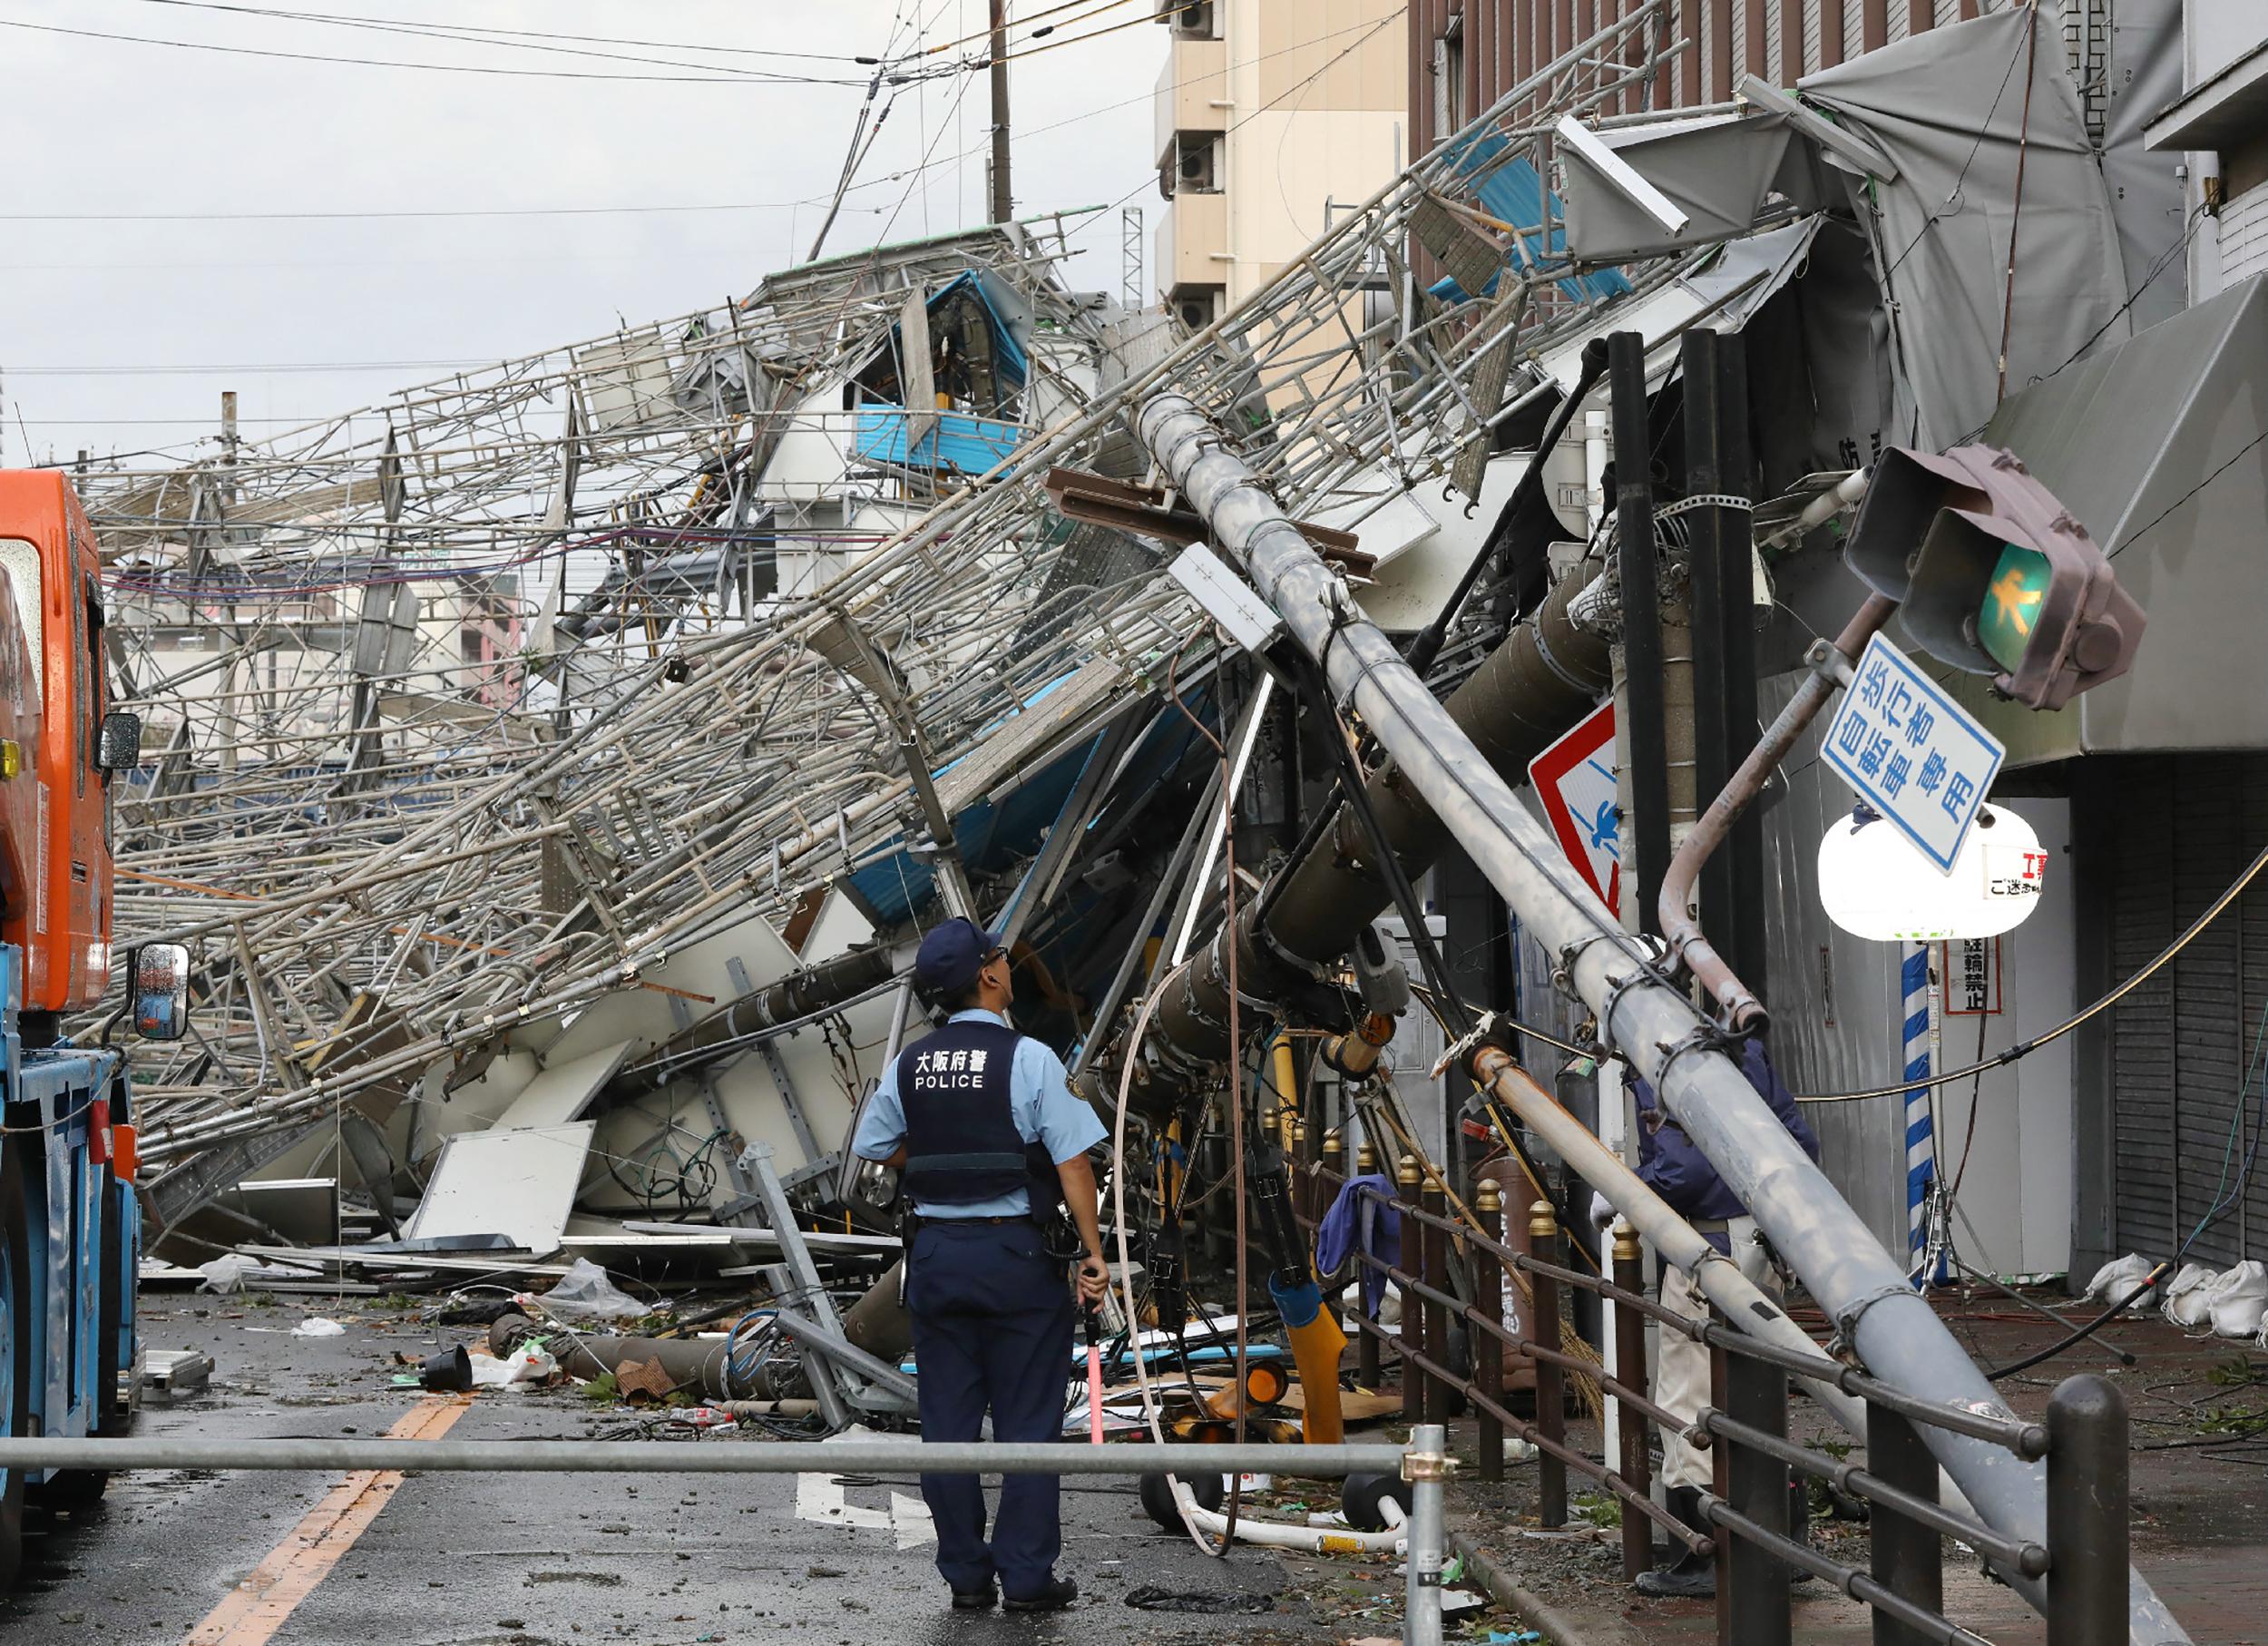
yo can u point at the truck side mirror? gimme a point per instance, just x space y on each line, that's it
118 744
157 988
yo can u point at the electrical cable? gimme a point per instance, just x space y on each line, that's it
478 32
743 78
2223 1205
2023 1049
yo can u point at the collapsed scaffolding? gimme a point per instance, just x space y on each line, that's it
752 736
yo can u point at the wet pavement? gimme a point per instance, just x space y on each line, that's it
551 1560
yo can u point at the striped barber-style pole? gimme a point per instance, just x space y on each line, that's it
1920 1142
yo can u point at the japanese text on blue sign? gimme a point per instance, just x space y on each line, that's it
1913 753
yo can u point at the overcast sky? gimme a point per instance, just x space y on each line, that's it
118 131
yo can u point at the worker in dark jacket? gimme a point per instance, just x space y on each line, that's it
991 1142
1673 1168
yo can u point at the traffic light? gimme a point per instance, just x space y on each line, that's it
1992 574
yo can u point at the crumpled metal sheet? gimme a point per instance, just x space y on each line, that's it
1950 107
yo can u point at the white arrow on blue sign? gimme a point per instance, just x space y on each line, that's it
1911 752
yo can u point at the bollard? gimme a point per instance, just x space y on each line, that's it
1908 1558
1416 1387
1754 1604
1488 1348
1425 1465
2087 1512
1543 1243
1634 1465
1368 1368
1441 1393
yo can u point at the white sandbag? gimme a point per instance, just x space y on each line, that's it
2241 1300
2118 1276
2189 1297
226 1274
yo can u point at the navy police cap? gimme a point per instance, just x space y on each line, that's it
951 955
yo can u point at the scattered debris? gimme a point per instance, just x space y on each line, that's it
175 1372
586 1291
1215 1601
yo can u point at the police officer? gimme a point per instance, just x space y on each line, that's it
1681 1174
990 1142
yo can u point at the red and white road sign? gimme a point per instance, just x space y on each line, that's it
1575 779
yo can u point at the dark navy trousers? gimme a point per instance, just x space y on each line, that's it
992 1330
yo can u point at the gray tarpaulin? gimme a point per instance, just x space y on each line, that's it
1942 228
1720 170
2143 78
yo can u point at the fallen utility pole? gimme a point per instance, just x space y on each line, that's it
1543 680
1896 1333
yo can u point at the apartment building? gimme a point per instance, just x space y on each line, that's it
1271 117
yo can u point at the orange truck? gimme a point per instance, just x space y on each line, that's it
70 1229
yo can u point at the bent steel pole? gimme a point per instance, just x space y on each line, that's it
1895 1332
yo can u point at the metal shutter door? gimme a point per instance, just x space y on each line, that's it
2142 1025
2208 808
2182 1042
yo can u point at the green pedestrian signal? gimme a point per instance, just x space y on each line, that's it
2013 604
1992 574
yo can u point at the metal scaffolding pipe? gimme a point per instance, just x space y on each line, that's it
1895 1332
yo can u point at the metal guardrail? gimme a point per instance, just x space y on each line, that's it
1423 1464
2084 1559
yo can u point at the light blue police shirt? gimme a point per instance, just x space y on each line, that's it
1038 1097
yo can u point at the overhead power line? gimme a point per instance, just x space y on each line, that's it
487 34
270 217
743 77
162 371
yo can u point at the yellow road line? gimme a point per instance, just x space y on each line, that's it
258 1605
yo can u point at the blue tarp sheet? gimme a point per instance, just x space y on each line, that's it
1511 190
972 444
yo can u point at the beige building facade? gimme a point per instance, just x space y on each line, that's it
1272 116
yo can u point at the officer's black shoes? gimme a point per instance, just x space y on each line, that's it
1059 1594
1690 1577
975 1600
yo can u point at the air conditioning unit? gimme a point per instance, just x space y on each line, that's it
1197 307
1195 21
1193 167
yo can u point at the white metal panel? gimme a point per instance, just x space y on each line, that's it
1774 13
1853 27
519 1184
1811 36
2015 1192
565 1089
837 926
1902 17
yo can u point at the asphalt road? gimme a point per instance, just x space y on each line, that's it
561 1560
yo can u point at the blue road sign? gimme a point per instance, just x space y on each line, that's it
1913 753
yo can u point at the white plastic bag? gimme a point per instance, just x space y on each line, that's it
2189 1299
2118 1276
2241 1300
226 1274
585 1290
319 1326
529 1363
